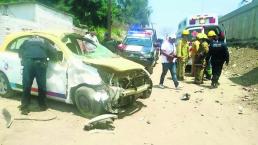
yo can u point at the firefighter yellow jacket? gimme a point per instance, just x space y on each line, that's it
183 50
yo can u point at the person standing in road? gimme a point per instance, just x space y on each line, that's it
200 58
182 54
194 49
168 58
34 53
218 54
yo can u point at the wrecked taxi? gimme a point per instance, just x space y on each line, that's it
85 74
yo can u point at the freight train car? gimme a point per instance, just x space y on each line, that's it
241 25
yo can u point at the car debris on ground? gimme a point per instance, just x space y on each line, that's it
185 97
103 122
10 119
199 91
240 109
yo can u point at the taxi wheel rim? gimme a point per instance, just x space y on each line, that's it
3 85
84 103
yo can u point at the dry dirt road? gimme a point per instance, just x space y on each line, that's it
210 117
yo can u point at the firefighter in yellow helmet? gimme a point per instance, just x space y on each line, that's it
182 54
194 49
212 34
200 59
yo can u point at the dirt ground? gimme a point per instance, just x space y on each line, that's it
210 117
243 70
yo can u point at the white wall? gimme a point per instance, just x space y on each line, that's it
50 19
11 24
22 11
31 16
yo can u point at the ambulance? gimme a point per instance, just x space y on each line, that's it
200 24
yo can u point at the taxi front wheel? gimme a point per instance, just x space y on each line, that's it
5 88
85 102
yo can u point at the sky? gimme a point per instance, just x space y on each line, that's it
166 14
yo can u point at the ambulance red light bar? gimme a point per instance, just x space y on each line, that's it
192 21
212 20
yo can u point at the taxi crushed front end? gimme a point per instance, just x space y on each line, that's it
125 88
124 80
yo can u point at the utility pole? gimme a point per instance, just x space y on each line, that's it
109 18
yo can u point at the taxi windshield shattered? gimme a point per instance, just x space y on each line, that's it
86 47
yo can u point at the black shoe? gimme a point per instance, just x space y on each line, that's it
43 107
176 84
208 78
214 85
24 110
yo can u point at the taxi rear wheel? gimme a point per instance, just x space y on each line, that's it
85 102
5 88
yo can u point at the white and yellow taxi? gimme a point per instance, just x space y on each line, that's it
85 74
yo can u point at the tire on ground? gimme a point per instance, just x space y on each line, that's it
85 102
5 88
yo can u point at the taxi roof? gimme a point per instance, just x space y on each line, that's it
52 35
43 33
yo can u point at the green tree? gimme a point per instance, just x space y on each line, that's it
94 12
135 11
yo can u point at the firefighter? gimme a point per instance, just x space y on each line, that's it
200 58
218 54
34 53
182 54
195 47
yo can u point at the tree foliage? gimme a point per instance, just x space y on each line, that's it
135 11
94 12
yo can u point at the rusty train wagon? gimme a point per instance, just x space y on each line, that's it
241 25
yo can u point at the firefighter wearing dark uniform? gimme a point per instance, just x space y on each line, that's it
34 53
218 55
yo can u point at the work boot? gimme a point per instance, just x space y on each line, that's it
43 107
181 79
24 110
208 77
213 85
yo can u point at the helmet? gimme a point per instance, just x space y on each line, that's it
204 36
185 32
199 36
212 33
172 36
